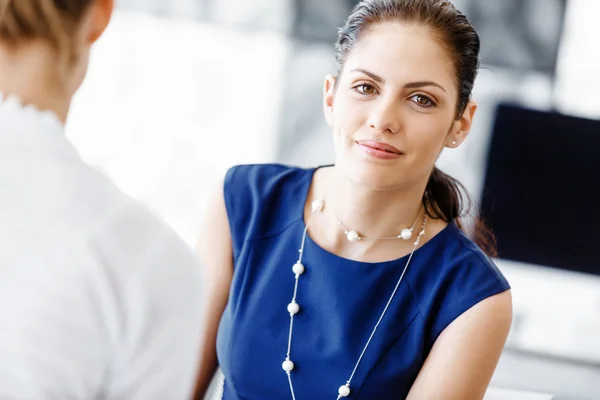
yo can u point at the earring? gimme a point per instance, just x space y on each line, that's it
454 142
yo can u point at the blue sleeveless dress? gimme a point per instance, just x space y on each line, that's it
341 300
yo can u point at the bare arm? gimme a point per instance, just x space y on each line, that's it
215 251
464 357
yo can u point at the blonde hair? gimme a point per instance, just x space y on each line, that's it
53 21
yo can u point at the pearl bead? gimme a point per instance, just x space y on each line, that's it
317 205
287 365
298 268
352 236
406 234
344 391
293 308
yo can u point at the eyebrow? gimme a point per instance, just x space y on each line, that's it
410 85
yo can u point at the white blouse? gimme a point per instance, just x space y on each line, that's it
99 299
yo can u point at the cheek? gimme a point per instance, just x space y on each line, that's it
348 117
427 136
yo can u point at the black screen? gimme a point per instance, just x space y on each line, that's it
542 186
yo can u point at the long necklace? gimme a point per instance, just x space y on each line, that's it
293 307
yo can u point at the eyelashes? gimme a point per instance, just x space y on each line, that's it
419 99
365 89
423 101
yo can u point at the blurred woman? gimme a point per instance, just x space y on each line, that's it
98 298
356 280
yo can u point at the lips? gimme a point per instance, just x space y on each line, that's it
378 146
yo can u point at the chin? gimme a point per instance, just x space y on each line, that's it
374 176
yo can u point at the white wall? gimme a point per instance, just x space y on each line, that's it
167 106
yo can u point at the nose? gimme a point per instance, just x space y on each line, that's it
384 117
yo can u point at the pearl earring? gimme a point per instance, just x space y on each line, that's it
454 142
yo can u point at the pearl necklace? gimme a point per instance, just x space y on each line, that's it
353 236
293 307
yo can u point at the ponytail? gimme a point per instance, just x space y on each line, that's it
447 199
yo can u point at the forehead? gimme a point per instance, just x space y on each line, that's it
402 52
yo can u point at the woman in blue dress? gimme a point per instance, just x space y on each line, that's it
356 280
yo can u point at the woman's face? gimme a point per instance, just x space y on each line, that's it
394 107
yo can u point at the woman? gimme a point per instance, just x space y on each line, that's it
356 280
98 298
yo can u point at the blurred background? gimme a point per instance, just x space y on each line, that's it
180 90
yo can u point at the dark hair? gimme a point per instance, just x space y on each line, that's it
445 198
53 21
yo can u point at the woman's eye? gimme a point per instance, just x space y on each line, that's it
365 88
423 101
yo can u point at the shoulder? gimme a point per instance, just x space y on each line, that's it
453 277
466 256
264 197
117 235
452 257
135 237
131 232
260 176
82 198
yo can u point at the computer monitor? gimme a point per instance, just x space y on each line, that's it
542 189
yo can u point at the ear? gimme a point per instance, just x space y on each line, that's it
328 98
462 126
99 16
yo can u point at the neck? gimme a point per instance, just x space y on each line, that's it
31 74
374 213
